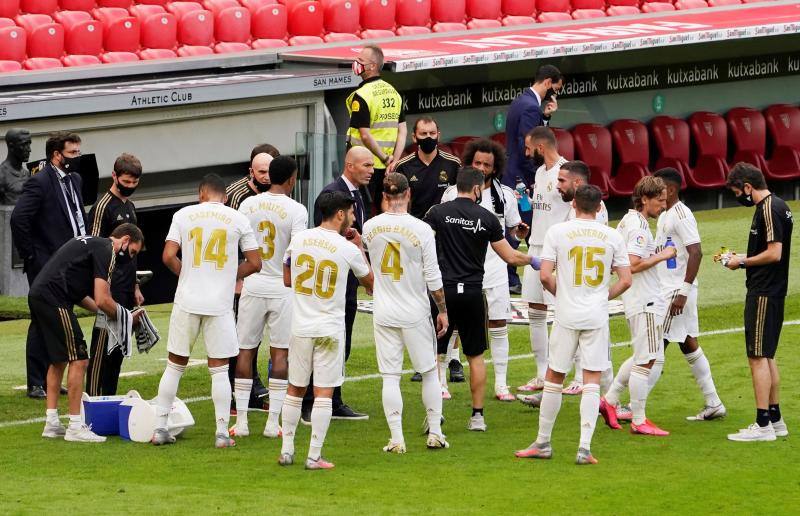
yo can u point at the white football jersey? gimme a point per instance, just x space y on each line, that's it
320 260
210 235
548 206
404 263
645 292
602 215
585 253
679 224
275 219
495 272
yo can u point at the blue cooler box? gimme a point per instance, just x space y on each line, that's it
102 413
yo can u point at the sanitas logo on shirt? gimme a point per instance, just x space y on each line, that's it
466 224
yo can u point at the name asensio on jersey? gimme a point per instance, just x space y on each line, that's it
466 224
322 244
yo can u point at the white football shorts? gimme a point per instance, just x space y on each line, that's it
257 312
322 356
419 340
498 301
592 346
679 327
647 337
219 333
532 289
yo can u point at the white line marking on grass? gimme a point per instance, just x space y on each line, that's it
376 376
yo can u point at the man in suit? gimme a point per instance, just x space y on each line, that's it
48 214
532 108
359 165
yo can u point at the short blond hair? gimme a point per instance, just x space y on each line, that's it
648 186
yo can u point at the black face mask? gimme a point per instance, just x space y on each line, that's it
123 257
746 200
70 165
261 187
125 191
427 145
550 94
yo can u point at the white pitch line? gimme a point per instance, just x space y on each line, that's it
376 376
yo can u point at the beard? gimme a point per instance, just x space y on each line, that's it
568 195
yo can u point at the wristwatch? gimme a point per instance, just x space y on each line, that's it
742 264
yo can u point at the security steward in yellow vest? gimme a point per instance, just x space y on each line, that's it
377 120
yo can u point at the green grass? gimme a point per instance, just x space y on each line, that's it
694 470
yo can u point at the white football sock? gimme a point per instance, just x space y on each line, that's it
432 399
453 352
640 388
701 370
620 382
277 393
320 421
443 361
606 379
590 408
75 421
539 344
51 415
167 390
221 396
241 389
290 416
551 404
393 405
498 343
655 372
578 369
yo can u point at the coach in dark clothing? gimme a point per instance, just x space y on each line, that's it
48 213
358 168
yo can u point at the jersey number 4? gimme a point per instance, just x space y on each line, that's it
214 250
390 261
586 260
324 274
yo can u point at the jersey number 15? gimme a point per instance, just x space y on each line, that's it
586 260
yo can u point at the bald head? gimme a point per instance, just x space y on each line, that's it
359 165
259 170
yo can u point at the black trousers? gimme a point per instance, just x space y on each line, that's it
102 375
36 362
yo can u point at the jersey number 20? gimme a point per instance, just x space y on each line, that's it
586 259
213 251
324 274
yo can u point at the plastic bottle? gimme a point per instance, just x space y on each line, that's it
524 200
672 263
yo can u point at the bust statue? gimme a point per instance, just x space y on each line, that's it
12 173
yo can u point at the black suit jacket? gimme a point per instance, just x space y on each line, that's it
40 222
340 186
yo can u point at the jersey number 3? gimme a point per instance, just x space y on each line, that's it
586 259
268 249
324 274
214 250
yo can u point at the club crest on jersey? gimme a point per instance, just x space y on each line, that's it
443 176
549 187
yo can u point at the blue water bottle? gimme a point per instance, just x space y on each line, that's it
672 263
524 200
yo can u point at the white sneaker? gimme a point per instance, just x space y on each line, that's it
394 447
83 434
709 413
54 431
239 430
446 393
754 433
272 431
436 442
780 428
476 423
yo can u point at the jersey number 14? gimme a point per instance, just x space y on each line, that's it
213 251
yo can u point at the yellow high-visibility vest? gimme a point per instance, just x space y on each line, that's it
385 105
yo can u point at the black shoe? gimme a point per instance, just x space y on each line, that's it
259 390
456 371
37 392
63 391
345 412
305 417
416 377
515 289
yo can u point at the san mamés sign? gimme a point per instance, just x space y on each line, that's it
607 82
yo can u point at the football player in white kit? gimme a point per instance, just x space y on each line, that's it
489 157
316 265
275 218
679 286
582 253
209 235
405 267
645 308
548 209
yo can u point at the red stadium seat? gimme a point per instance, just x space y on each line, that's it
9 8
754 1
230 47
333 37
232 25
657 7
150 54
121 31
622 10
378 14
412 30
476 23
632 147
376 34
84 35
671 138
630 3
180 9
553 6
259 44
748 131
80 60
509 21
254 5
342 17
554 17
298 41
159 28
484 9
45 38
718 3
589 4
783 126
459 144
710 137
12 43
593 147
413 13
518 7
683 5
77 5
449 27
42 63
194 50
196 28
270 24
7 22
566 144
585 14
162 3
38 6
500 138
448 11
306 19
119 57
10 66
122 4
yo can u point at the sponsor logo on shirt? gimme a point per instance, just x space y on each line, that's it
466 224
640 240
413 179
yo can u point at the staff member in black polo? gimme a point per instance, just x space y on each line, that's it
464 230
767 268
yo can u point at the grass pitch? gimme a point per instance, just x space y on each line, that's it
694 470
